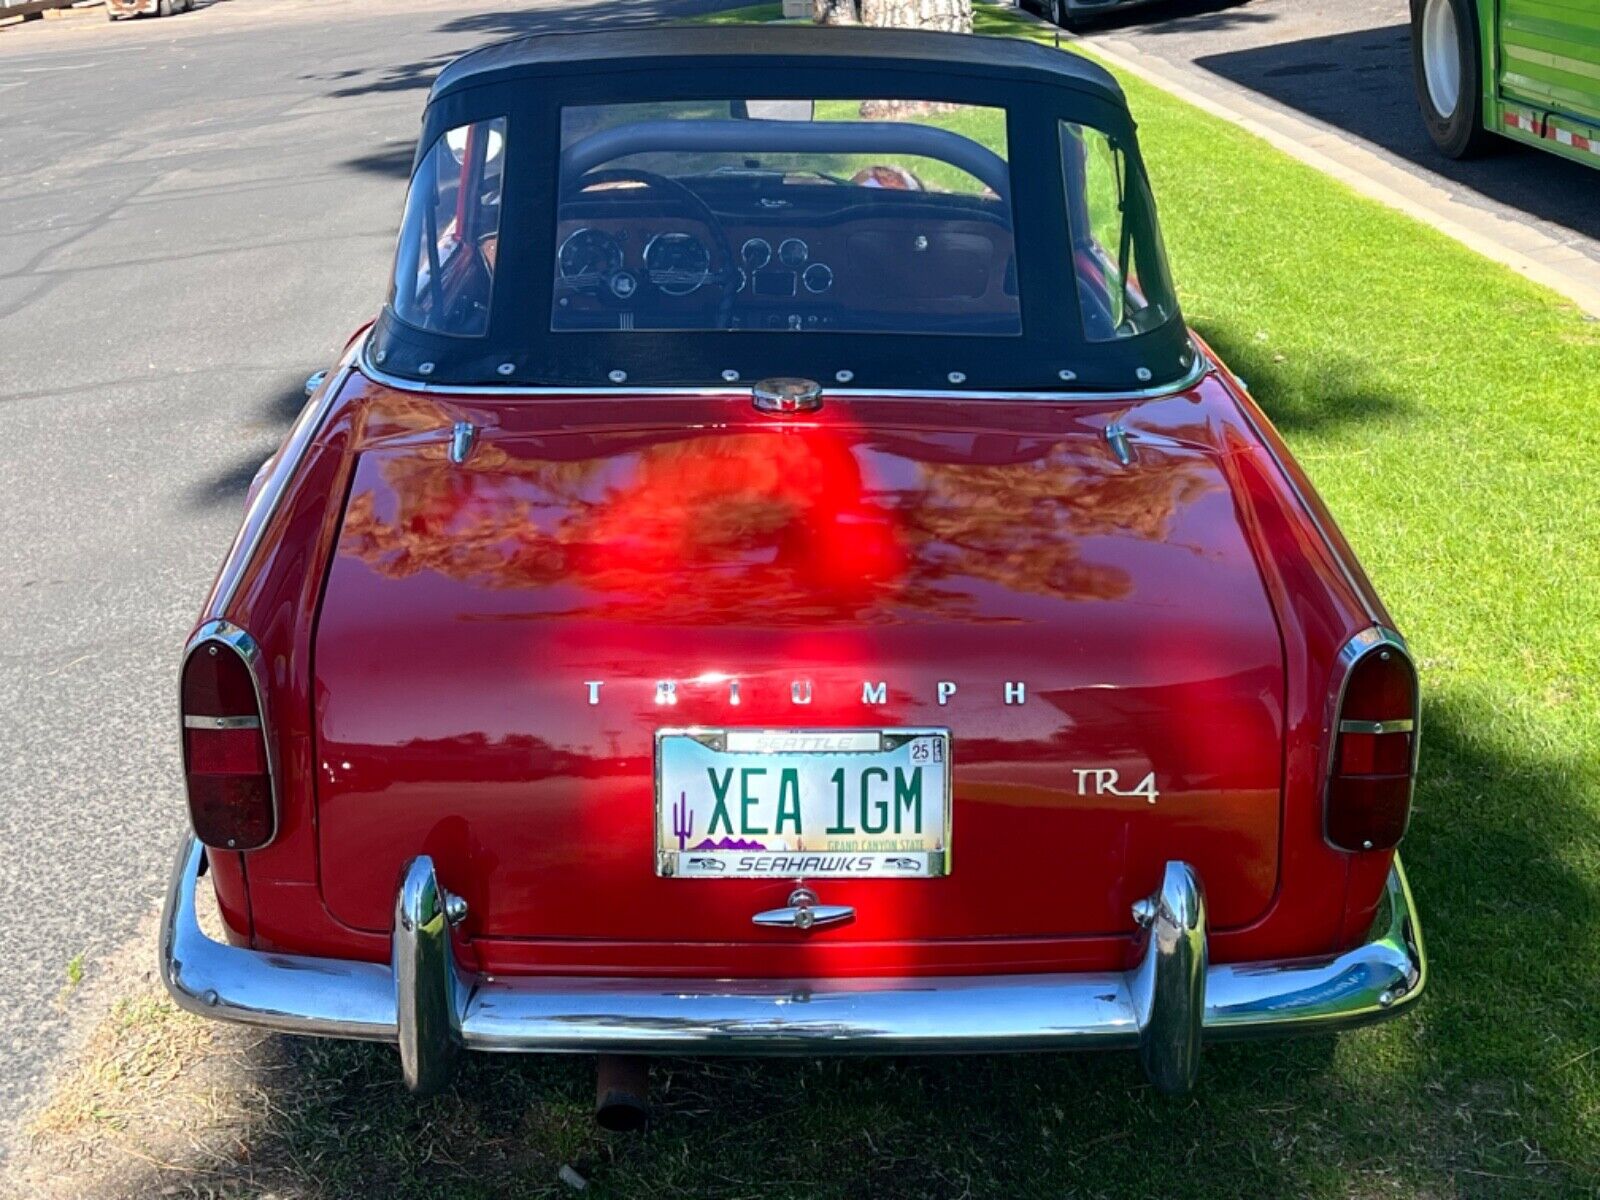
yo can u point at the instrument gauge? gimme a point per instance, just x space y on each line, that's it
588 256
677 263
757 253
818 278
792 252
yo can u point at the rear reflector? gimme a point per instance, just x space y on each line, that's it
1374 756
225 751
226 766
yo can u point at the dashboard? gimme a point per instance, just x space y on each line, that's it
823 263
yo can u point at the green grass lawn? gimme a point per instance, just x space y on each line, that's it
1450 414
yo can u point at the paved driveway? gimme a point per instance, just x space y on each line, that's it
1347 64
194 213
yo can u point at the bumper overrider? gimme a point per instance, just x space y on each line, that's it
1165 1007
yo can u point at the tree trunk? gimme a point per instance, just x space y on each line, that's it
834 12
954 16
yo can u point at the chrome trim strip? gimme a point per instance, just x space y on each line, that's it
1197 372
264 507
1376 726
1377 639
246 544
229 635
190 722
1152 1007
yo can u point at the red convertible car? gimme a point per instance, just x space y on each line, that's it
780 577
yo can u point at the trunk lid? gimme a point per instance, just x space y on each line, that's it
495 633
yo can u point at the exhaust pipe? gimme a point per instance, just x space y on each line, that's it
622 1093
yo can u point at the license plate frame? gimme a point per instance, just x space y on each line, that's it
837 858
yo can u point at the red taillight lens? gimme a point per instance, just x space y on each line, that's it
225 752
225 760
231 812
1374 753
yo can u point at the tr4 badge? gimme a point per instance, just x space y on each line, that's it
1106 781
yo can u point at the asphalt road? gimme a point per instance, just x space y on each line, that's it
1347 64
194 214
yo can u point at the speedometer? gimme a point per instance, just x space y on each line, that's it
677 263
589 256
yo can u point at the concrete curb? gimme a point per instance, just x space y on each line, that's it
1524 249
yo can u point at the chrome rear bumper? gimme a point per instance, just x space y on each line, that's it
1165 1007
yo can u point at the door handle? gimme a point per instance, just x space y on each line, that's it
804 913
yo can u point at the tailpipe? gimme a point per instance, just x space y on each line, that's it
622 1093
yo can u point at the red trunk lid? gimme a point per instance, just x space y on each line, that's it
494 633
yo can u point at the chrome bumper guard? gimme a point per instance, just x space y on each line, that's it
1165 1007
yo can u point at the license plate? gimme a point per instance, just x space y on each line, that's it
813 803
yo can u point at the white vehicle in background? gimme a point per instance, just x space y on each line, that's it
146 8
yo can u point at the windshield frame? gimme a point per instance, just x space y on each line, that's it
520 349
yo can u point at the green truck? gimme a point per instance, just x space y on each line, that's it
1528 70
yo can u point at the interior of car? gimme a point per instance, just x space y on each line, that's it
849 222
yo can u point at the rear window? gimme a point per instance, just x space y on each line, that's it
444 270
826 216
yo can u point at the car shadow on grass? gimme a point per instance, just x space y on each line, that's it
1478 1091
1303 396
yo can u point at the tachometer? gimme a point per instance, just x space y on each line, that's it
589 256
677 263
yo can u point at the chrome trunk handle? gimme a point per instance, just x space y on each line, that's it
804 912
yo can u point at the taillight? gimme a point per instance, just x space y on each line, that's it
1374 757
225 760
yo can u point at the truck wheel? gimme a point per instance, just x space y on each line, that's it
1447 69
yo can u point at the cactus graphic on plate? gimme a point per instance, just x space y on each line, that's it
682 820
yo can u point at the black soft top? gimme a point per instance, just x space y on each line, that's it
529 81
804 47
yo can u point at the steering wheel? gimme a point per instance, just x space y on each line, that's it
728 276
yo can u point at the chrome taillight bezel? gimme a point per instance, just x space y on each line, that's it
1376 639
239 643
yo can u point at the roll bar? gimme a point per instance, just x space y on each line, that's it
832 137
